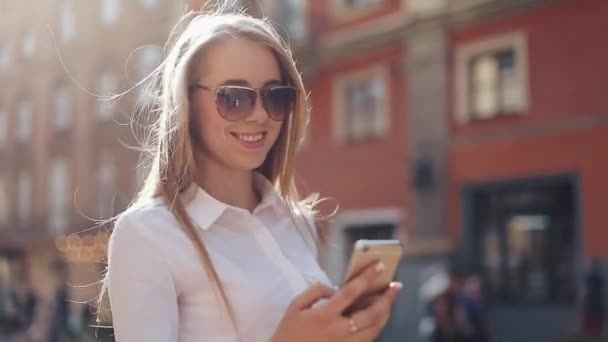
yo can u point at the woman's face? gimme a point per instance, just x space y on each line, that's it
242 144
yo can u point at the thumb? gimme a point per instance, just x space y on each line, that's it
310 296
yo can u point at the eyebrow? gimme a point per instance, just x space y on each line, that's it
246 83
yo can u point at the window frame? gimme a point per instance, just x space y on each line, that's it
4 112
19 128
148 4
374 73
29 43
67 28
4 206
103 105
24 213
58 119
515 41
106 192
342 11
104 18
6 54
59 207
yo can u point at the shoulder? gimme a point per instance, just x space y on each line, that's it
148 227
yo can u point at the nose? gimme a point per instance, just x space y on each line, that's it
258 112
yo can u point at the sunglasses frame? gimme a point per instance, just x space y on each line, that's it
260 93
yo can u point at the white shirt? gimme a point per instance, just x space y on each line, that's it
159 291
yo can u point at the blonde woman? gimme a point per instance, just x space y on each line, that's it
218 246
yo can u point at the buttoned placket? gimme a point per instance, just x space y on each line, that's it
275 254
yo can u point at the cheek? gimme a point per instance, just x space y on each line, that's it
275 130
210 126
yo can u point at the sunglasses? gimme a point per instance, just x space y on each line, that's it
235 103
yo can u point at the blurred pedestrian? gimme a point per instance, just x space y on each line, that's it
593 303
450 312
475 320
60 331
10 313
446 318
219 246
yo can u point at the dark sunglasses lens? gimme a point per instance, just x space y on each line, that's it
279 102
235 103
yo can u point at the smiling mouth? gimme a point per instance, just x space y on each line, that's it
251 138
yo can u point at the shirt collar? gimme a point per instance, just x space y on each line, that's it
267 190
205 210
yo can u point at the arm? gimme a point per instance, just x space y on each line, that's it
142 292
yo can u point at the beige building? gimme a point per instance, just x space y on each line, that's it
63 161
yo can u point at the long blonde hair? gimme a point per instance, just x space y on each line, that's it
173 170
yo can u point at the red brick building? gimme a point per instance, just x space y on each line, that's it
468 128
526 187
356 158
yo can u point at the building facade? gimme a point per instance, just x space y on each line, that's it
472 130
64 162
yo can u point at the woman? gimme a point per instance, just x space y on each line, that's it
218 246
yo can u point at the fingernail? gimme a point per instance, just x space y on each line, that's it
396 285
379 267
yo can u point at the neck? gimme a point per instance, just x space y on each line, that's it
230 186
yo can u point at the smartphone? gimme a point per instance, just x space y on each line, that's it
366 252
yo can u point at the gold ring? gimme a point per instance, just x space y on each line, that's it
353 326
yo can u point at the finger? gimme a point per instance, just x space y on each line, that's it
363 335
310 296
369 317
393 290
346 296
379 311
366 335
367 300
363 303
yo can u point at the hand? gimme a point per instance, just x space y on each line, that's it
364 302
374 313
305 321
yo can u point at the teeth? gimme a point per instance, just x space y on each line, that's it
250 137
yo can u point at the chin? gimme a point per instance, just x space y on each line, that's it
249 165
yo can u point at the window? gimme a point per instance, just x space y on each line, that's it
63 108
492 78
3 126
107 87
106 185
24 120
362 106
342 7
28 46
291 17
425 7
148 59
148 3
59 196
5 55
3 201
24 197
361 3
67 21
110 11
